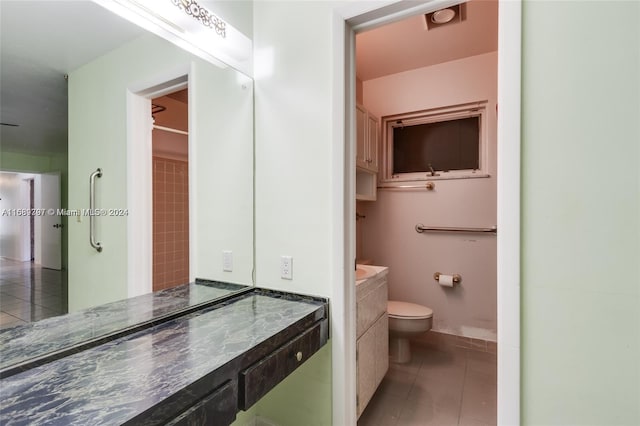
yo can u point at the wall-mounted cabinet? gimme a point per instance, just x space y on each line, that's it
367 137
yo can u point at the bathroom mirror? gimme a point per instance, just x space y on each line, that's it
120 82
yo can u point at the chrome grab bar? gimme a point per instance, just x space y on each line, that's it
420 228
92 206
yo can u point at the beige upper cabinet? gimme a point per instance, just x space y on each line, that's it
368 135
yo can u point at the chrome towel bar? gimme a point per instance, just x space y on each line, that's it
420 228
92 208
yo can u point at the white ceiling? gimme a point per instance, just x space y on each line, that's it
40 42
407 44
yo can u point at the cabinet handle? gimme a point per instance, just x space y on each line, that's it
299 356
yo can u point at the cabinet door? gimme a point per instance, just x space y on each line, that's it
366 368
373 134
382 347
361 137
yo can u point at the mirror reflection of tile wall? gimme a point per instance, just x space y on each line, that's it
170 223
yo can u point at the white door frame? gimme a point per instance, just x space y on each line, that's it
366 15
140 175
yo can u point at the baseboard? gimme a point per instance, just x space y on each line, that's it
443 340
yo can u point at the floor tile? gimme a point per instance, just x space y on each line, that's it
53 302
443 393
412 366
470 421
442 385
427 414
479 401
7 299
397 383
7 320
30 293
383 410
30 312
15 290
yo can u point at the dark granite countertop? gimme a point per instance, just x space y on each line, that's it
116 381
37 339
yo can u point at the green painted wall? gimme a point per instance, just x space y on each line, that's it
303 398
581 213
43 163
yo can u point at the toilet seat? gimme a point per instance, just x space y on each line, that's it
408 310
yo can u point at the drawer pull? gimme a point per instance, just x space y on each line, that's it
299 356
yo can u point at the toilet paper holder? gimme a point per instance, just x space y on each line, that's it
456 277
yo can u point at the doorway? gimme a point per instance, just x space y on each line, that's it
508 192
170 162
33 283
149 120
432 94
31 219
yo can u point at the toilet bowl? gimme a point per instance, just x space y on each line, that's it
406 320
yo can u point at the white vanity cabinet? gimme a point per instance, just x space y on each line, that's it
372 330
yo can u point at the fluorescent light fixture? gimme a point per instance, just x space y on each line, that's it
190 26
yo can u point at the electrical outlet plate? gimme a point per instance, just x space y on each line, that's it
286 267
227 261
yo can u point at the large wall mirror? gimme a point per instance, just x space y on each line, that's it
144 150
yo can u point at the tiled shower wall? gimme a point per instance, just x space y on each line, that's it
170 223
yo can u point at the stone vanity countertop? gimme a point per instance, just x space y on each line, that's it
27 343
367 285
379 272
131 376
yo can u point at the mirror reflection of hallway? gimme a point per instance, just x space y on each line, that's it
33 284
170 142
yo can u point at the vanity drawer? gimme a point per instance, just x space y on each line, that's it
261 377
216 409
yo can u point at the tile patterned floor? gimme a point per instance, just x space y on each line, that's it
30 293
441 386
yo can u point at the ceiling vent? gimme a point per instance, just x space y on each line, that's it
448 16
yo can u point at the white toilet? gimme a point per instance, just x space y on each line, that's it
406 320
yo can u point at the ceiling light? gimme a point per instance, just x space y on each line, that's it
190 26
443 16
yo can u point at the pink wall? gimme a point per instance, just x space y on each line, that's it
388 234
359 89
176 116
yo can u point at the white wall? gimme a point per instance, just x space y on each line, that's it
293 173
293 208
389 237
